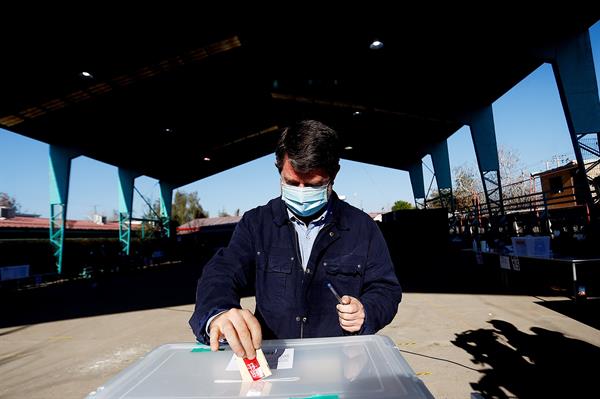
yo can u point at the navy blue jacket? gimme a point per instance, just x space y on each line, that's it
349 252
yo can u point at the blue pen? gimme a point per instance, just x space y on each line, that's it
337 296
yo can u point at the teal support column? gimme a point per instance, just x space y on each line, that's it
166 201
59 174
441 167
573 67
126 185
483 133
418 186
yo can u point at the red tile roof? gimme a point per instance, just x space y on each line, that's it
21 222
197 224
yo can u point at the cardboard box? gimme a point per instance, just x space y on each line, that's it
531 246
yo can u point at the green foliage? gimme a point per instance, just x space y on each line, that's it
186 207
9 202
467 185
401 205
152 229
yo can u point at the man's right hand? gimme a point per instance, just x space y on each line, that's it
241 330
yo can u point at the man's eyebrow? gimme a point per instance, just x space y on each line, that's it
292 180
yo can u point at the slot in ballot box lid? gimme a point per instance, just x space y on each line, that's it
367 366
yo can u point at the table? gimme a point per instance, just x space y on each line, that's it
576 265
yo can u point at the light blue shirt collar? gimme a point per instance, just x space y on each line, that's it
307 234
317 221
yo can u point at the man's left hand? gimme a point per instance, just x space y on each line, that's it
351 314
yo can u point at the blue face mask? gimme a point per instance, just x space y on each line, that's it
304 201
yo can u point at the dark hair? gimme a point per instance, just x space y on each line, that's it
309 145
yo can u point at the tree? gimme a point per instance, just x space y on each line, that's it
223 213
466 184
152 228
186 207
401 205
514 179
9 202
433 200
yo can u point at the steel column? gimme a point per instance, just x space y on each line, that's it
483 133
573 67
126 186
60 173
443 177
166 201
418 186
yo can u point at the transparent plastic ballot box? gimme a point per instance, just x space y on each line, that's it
367 366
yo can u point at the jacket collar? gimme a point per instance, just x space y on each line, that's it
281 217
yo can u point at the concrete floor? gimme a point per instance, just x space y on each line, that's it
448 339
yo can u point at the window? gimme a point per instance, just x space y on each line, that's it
556 185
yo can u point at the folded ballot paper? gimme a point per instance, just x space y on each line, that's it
253 369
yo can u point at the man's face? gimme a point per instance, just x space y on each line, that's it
314 178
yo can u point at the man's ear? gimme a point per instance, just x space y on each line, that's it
335 173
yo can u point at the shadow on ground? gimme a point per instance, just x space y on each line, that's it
539 364
587 311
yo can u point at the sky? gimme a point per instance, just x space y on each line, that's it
529 120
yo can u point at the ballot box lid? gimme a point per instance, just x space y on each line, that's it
367 366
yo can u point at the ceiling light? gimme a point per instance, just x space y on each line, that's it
168 130
376 45
87 75
356 113
349 147
206 159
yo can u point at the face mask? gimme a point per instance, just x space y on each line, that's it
304 201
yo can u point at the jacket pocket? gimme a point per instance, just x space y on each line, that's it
274 273
346 273
279 264
348 265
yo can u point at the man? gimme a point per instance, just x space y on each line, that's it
291 251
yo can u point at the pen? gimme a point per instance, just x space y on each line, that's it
334 292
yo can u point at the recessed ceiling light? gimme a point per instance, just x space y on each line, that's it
168 130
87 75
356 113
376 45
349 147
206 159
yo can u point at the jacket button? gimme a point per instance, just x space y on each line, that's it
331 234
324 263
258 253
297 318
358 266
292 258
304 319
307 271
